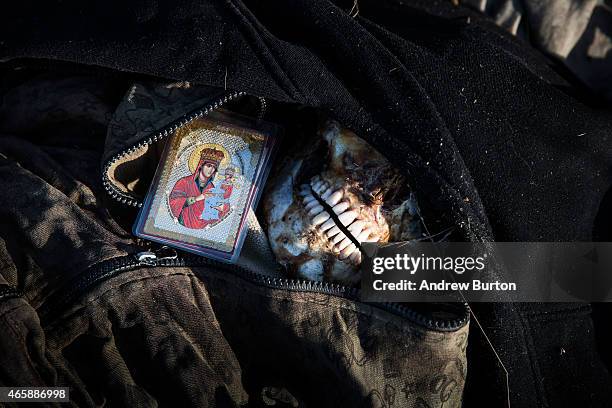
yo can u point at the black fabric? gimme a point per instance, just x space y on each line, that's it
498 144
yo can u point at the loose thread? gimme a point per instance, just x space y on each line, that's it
354 10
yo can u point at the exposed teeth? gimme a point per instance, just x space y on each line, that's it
343 244
339 237
340 208
328 224
309 199
325 194
317 185
315 210
335 198
323 187
356 227
347 251
312 204
335 230
320 218
347 217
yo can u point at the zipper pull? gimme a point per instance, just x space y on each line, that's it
151 258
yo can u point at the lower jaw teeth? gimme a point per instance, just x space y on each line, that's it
342 245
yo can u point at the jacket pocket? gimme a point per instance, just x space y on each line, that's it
151 333
314 334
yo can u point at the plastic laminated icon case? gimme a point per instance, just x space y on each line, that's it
211 172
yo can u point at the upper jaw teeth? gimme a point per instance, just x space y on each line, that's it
328 224
347 217
343 246
341 207
334 198
320 218
315 210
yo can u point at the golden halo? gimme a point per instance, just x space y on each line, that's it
194 157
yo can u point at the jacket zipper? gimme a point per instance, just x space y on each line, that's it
131 201
8 292
114 266
168 257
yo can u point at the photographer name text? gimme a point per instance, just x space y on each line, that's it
475 285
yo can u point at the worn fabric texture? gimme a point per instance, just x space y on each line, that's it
179 337
577 32
499 142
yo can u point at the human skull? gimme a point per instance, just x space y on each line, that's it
330 197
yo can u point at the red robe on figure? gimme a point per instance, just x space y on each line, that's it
189 186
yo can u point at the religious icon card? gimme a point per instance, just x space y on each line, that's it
211 172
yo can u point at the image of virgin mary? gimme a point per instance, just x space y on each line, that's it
189 196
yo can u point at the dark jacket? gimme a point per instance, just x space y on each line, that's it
497 144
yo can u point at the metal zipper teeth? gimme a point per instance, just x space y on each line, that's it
131 201
8 292
107 269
